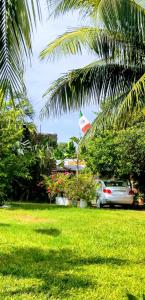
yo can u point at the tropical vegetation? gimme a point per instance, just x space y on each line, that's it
119 153
55 184
117 38
18 19
65 150
81 187
22 158
13 163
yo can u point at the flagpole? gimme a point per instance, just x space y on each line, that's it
77 172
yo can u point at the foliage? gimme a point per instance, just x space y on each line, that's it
71 253
71 186
119 153
55 184
80 187
15 157
108 119
18 19
22 158
100 154
117 38
64 150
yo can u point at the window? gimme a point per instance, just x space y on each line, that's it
116 183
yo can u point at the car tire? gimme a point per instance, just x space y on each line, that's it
111 205
99 204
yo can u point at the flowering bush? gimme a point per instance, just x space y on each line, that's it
72 187
55 184
80 187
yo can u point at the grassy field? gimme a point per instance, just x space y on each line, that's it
69 253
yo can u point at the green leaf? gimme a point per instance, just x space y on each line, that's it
18 19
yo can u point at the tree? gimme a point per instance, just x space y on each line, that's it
15 156
65 150
18 18
117 153
119 44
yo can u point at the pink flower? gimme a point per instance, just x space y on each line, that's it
66 173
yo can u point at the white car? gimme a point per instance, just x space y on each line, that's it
113 192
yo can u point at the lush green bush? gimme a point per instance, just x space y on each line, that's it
15 156
80 187
22 158
71 186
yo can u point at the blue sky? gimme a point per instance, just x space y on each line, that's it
41 74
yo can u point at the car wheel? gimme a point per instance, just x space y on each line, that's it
111 205
99 204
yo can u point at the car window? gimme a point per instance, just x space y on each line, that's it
116 183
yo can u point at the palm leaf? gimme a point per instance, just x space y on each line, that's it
70 43
18 19
135 98
114 45
89 85
141 3
63 6
114 14
127 17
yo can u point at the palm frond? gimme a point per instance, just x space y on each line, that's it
135 99
18 19
141 3
117 15
127 17
70 42
89 85
108 45
64 6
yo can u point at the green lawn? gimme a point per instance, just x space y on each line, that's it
69 253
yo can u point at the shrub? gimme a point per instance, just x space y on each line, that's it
55 184
80 187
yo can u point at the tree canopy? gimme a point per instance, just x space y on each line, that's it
118 40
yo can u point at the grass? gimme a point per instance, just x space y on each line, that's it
69 253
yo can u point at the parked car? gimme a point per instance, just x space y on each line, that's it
113 192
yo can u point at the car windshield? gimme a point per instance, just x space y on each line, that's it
116 183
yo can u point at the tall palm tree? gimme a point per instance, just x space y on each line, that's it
17 21
119 44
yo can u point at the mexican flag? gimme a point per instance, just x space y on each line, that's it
84 123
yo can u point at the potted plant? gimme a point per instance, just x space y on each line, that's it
55 186
81 189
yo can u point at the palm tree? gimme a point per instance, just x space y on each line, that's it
17 20
119 69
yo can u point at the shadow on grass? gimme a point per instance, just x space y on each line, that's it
50 231
59 271
31 206
4 225
99 261
131 297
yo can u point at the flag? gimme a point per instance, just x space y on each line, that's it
84 123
